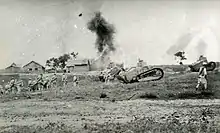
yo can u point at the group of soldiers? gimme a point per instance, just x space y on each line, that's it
12 86
42 82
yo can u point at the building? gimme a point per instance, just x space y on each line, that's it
50 69
13 68
33 67
78 65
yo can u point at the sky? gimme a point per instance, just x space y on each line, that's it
150 30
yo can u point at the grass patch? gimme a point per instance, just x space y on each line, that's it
51 127
148 95
194 94
144 125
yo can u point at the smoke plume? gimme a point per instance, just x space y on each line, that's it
181 43
201 47
104 35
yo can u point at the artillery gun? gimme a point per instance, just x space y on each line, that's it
194 67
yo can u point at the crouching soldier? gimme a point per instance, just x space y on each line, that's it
19 86
202 79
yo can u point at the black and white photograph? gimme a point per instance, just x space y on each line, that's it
109 66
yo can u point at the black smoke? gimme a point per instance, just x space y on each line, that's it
104 34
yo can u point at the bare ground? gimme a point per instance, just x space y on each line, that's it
76 114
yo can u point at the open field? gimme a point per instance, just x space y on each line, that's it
167 105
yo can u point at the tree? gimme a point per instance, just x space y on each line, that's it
48 63
74 54
180 55
55 63
63 59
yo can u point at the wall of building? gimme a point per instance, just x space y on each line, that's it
33 68
70 69
13 70
79 68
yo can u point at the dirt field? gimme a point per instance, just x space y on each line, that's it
168 105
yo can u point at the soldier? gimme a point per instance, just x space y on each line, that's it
46 82
2 88
64 79
54 80
29 84
101 77
12 85
202 79
40 81
75 81
19 86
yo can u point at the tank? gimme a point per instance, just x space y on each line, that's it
133 74
140 74
194 67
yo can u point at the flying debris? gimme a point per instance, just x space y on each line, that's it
80 15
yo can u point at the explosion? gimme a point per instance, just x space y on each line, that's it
104 35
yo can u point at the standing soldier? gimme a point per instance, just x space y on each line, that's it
46 82
202 79
2 87
75 81
64 79
19 86
7 87
29 84
12 85
54 80
40 81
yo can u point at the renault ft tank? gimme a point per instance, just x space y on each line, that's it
134 74
110 73
140 74
194 67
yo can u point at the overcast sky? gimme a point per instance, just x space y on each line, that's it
39 29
